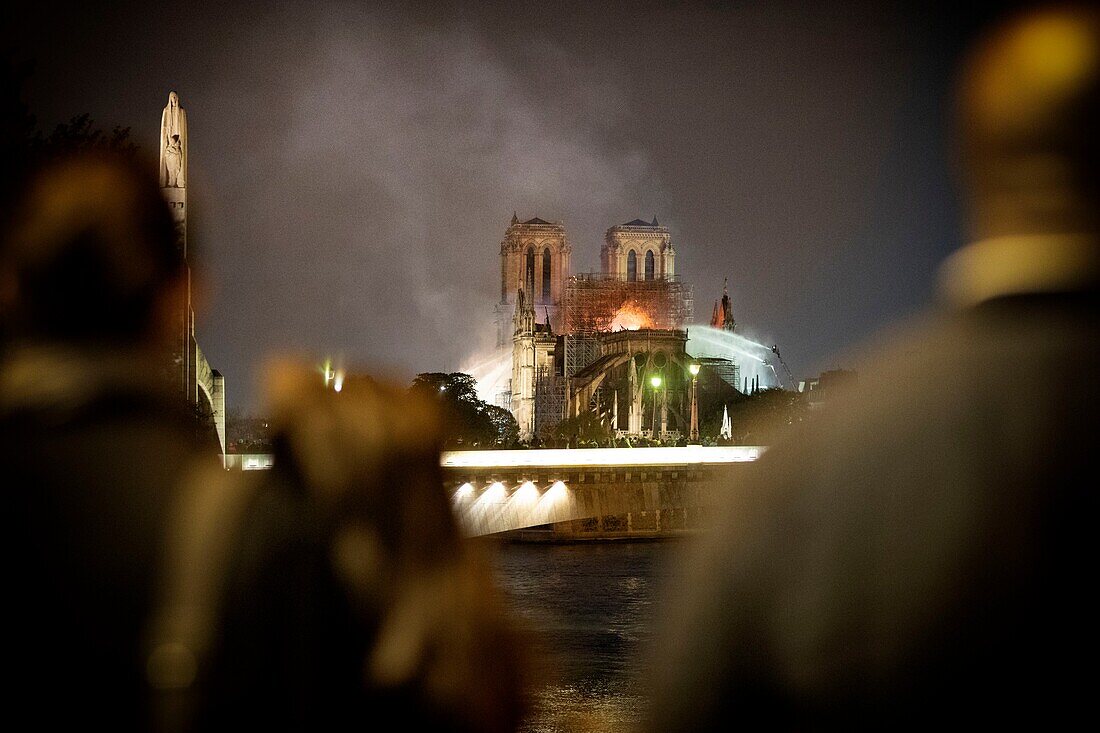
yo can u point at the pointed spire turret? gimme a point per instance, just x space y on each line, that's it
728 323
515 219
524 318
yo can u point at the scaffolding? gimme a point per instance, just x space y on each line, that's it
579 350
597 302
503 398
726 369
550 399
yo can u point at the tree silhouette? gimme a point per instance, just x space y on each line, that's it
468 421
24 147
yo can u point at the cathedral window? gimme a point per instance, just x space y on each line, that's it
649 265
546 274
632 266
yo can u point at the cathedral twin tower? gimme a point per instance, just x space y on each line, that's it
539 304
535 254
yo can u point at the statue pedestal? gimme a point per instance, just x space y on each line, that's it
177 200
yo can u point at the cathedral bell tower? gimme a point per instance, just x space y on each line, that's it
638 250
534 257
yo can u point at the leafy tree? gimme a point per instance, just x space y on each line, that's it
763 418
468 421
247 434
24 146
505 426
453 387
80 135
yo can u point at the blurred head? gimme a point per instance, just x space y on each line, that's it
1029 120
91 258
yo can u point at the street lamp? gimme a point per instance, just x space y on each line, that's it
655 380
694 369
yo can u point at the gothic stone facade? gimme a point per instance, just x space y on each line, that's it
638 250
534 257
532 362
534 272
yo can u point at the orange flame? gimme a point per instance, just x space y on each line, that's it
630 318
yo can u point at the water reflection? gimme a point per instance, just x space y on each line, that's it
591 607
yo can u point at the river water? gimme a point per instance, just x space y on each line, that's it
591 611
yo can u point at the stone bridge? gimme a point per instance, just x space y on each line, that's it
577 493
210 386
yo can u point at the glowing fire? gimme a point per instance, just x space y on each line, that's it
630 318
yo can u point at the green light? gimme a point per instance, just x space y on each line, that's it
655 380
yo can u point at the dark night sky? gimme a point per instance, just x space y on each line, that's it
353 167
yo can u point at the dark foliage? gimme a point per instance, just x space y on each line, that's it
586 430
758 419
468 421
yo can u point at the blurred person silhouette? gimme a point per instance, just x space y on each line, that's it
151 589
922 554
352 564
92 434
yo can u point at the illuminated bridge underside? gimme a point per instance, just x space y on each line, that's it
502 491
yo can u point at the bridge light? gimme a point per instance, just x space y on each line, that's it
495 493
694 369
655 380
464 491
526 493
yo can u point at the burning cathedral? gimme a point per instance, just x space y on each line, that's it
612 342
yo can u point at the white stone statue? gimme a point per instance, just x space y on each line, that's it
173 144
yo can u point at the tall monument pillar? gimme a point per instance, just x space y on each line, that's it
201 385
173 185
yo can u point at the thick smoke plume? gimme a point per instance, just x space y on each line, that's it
390 164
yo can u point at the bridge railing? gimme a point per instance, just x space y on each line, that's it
577 457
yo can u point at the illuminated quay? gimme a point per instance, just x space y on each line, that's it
593 493
579 493
690 455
